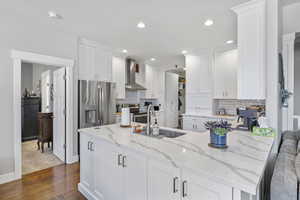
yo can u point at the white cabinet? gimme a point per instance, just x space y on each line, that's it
198 83
252 49
225 74
86 162
134 176
95 61
118 73
195 187
154 82
194 124
109 172
163 181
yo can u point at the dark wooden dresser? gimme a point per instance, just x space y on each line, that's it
30 108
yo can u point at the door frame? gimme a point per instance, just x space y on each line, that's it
288 50
21 56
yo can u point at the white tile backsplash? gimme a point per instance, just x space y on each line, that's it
231 105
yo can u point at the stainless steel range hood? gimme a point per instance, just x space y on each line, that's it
131 69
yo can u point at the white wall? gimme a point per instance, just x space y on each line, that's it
297 80
27 34
26 77
291 16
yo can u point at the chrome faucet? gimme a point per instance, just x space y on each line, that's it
149 113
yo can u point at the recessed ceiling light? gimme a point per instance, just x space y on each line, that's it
229 42
184 51
153 59
141 25
208 22
124 51
54 15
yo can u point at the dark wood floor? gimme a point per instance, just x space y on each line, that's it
56 183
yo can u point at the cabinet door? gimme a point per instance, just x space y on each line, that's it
188 124
196 187
103 70
225 75
199 123
87 61
118 68
107 172
86 162
163 181
134 176
149 74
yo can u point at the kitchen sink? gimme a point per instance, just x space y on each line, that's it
170 133
164 133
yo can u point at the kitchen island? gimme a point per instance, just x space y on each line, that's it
117 164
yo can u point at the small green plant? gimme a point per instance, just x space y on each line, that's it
218 127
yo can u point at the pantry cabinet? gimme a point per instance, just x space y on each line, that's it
252 49
95 61
199 83
154 82
225 74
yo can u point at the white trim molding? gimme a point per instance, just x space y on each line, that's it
19 57
7 177
288 50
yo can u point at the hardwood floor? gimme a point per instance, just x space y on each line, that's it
56 183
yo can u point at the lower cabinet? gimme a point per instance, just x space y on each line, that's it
195 187
163 181
110 172
194 124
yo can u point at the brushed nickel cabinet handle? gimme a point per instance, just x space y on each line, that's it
124 162
119 159
175 184
184 189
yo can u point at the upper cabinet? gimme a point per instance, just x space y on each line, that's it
95 61
118 76
252 49
225 74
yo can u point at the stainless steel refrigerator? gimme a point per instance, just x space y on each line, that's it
97 103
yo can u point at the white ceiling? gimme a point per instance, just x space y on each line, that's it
172 25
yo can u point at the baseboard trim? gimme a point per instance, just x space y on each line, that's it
85 192
73 159
5 178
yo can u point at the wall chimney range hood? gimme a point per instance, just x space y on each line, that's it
131 68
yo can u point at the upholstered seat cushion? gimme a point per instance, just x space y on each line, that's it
293 135
289 146
297 166
284 179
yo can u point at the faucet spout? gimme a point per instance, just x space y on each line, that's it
149 113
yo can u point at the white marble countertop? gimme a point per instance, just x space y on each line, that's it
240 166
226 117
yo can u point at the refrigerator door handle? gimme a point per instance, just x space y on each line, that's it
98 105
101 103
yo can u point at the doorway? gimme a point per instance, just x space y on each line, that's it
42 115
65 65
175 97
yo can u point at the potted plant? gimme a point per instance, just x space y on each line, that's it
218 133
